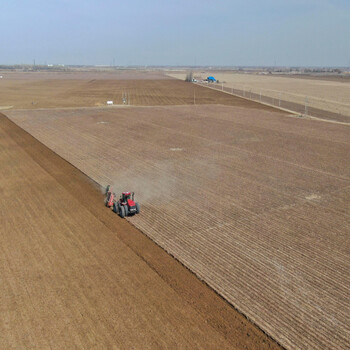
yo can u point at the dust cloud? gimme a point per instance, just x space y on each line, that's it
160 185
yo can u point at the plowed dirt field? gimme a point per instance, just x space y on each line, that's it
318 93
51 90
255 203
75 276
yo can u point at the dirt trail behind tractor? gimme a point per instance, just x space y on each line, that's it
125 206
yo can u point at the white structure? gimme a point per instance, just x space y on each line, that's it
109 103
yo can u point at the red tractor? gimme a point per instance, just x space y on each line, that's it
125 206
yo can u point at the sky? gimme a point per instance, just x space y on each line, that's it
176 32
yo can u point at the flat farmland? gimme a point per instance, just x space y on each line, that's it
328 95
73 275
76 74
254 202
91 89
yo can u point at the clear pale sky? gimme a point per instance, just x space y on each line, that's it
177 32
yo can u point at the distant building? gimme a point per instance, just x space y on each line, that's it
211 79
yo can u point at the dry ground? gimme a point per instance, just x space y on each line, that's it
73 275
328 95
255 203
122 74
50 90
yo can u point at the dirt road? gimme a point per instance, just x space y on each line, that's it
74 275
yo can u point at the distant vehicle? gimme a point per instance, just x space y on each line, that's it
211 79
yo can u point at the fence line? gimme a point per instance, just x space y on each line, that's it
303 109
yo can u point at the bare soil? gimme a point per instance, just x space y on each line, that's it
341 78
88 89
74 275
255 203
285 104
130 74
322 94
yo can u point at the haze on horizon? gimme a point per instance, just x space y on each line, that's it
158 32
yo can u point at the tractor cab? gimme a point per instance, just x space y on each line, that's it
128 205
126 196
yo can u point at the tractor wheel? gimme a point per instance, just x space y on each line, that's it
126 210
122 212
115 208
137 208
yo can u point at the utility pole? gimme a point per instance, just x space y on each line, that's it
194 96
306 106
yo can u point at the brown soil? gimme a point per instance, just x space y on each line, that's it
130 74
338 77
74 275
292 106
40 90
326 95
255 203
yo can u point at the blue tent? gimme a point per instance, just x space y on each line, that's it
211 79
